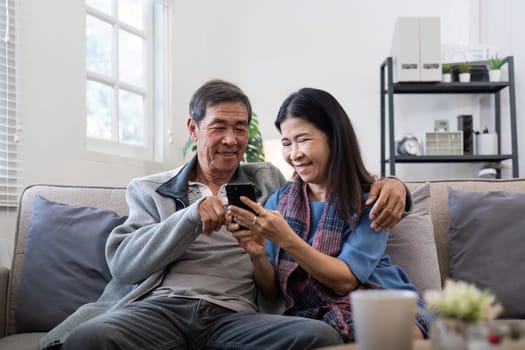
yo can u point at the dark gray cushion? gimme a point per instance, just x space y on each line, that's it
64 262
486 244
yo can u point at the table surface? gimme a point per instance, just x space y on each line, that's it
418 345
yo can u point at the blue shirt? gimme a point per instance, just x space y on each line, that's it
363 249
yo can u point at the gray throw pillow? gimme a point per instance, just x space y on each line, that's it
485 246
64 262
411 243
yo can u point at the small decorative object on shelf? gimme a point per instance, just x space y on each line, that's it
446 69
440 125
409 146
486 142
464 72
495 68
443 143
466 318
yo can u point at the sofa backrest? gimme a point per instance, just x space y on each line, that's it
439 211
112 198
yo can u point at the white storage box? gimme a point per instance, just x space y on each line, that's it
416 49
444 143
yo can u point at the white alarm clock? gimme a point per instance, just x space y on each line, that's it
409 146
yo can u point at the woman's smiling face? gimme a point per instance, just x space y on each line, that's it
306 149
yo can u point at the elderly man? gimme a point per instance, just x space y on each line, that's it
180 280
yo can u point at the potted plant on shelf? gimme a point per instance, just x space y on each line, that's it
464 72
495 68
446 69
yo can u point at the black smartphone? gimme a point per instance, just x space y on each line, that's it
235 190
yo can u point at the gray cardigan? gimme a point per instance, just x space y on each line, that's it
139 251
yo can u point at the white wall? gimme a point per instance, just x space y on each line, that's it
503 27
270 48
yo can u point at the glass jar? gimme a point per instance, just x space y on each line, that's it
448 334
496 335
452 334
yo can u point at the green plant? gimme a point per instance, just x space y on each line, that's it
464 67
254 150
495 62
446 68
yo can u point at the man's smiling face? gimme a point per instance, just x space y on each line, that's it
221 138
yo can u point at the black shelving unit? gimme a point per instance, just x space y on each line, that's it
389 89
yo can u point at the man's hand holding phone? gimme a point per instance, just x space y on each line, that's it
250 241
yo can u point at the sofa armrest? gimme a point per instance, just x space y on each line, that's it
4 280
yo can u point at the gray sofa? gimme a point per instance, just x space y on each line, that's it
114 199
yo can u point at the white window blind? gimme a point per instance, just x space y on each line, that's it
10 126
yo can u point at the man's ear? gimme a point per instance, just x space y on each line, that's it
192 126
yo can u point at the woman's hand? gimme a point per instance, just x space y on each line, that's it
253 243
250 241
269 224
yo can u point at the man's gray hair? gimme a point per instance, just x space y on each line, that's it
214 92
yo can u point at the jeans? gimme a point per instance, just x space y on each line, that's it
182 323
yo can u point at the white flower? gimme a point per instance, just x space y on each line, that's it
463 301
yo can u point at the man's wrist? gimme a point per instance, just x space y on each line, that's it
408 196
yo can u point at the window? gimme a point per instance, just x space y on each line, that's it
10 126
126 76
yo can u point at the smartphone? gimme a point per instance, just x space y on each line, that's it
235 190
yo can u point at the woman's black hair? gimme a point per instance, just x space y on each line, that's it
347 175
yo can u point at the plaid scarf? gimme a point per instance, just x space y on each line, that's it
303 295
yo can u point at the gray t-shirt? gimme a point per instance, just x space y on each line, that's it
213 268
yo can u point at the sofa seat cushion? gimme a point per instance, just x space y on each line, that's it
411 243
64 263
26 341
486 240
